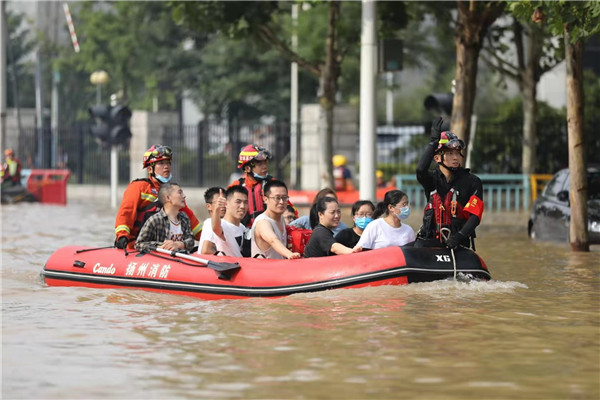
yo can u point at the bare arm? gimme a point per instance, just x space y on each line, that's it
208 247
264 232
338 248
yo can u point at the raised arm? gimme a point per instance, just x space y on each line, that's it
423 175
215 216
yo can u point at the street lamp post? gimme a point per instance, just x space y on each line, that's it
99 78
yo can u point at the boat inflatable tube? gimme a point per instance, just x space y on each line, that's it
219 277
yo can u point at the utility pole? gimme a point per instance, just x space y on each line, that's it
3 42
389 99
368 75
294 103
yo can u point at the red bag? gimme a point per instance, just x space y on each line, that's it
297 238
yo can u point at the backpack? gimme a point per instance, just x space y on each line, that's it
297 238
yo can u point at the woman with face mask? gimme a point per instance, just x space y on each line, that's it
362 215
389 230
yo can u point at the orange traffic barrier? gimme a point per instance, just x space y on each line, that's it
49 185
538 183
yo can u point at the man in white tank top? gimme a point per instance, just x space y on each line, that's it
268 235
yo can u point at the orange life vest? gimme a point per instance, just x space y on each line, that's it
339 179
255 198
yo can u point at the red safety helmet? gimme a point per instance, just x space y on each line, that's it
253 152
156 153
449 141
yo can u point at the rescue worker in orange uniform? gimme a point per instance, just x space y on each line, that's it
454 195
342 177
253 160
140 198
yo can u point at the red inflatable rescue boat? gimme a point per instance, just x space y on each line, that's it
216 277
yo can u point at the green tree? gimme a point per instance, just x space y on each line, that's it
474 20
575 22
139 46
534 53
265 21
20 70
238 79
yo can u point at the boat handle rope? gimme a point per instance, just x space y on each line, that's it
445 232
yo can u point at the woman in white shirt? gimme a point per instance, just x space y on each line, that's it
389 229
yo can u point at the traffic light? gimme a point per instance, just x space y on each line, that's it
119 127
390 55
111 124
439 102
101 128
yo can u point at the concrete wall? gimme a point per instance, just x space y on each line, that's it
146 130
12 126
345 139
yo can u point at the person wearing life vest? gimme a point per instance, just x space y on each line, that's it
11 169
342 177
253 160
454 194
140 198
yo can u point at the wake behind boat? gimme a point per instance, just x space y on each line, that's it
216 277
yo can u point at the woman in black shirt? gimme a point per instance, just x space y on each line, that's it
362 214
322 243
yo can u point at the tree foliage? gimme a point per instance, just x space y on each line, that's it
575 21
20 69
142 58
323 57
581 17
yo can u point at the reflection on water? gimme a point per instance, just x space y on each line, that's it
532 332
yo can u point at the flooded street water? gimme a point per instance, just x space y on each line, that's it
531 333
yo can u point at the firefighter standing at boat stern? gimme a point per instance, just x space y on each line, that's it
454 194
140 199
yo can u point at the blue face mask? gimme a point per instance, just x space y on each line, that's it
404 212
260 177
362 222
163 179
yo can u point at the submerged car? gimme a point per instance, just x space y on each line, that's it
551 212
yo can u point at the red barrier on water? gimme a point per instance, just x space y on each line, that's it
49 185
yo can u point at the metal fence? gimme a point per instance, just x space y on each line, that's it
206 154
501 192
74 149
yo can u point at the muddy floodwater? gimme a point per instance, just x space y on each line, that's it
533 332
